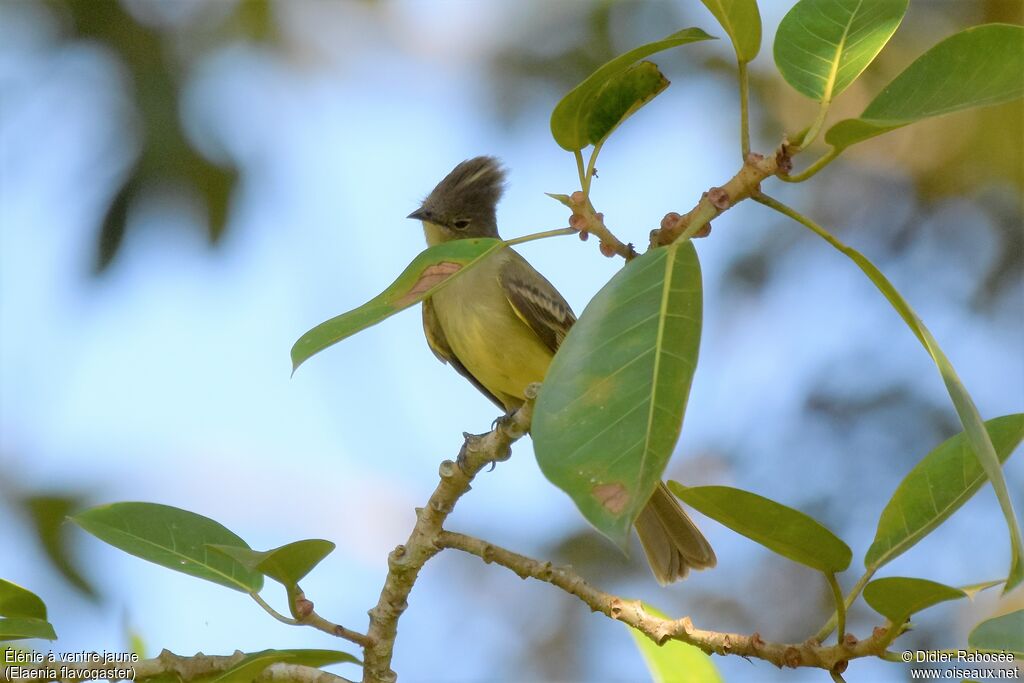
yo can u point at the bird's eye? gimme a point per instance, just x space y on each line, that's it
460 223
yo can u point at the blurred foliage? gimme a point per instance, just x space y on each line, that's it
156 59
47 513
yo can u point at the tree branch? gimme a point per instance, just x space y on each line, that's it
807 654
167 663
746 183
405 561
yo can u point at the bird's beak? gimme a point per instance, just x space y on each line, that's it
418 214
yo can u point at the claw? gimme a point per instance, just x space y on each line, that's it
502 421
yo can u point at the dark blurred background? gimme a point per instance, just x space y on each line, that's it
186 186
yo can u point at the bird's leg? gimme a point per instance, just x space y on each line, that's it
471 443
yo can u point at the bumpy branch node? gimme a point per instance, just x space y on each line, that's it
406 560
810 653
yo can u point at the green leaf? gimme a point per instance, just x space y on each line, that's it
977 67
897 597
944 480
822 46
16 601
570 125
962 403
1005 633
742 22
621 96
611 407
250 666
675 661
779 528
287 564
172 538
19 628
431 270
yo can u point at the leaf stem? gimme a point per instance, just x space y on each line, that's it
540 235
591 167
273 612
579 169
819 121
837 595
744 109
963 404
826 630
811 170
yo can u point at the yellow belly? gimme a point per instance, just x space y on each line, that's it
486 335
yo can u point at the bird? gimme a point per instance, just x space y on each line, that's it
499 325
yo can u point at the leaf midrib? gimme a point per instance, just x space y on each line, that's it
176 553
840 46
670 262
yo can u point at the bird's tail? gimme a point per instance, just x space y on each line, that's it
672 542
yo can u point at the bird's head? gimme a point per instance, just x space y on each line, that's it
463 204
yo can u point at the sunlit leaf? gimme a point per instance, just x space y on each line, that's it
977 67
779 528
1001 634
570 124
897 597
822 46
944 480
428 272
611 408
287 564
742 22
16 601
675 661
21 628
250 666
173 538
621 96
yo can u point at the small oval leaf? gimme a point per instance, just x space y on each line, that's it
944 480
611 407
822 46
898 597
977 67
287 564
675 661
172 538
742 21
569 120
432 269
1001 634
22 628
779 528
16 601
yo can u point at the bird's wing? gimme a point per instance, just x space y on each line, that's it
439 345
536 301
